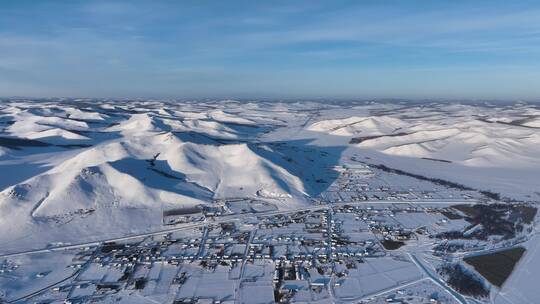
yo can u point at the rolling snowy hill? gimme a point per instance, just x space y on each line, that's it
106 168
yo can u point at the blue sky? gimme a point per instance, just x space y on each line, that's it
271 49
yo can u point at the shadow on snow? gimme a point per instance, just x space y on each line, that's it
314 165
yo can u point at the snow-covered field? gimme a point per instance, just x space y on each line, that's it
77 171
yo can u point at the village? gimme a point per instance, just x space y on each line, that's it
362 241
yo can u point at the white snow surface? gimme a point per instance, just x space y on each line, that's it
75 171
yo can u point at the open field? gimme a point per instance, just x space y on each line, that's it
496 267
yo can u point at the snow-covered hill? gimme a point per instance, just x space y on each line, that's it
89 169
489 147
132 165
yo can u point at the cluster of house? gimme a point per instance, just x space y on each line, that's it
306 248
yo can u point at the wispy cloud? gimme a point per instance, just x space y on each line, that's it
301 47
453 30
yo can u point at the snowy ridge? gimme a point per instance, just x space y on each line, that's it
90 167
